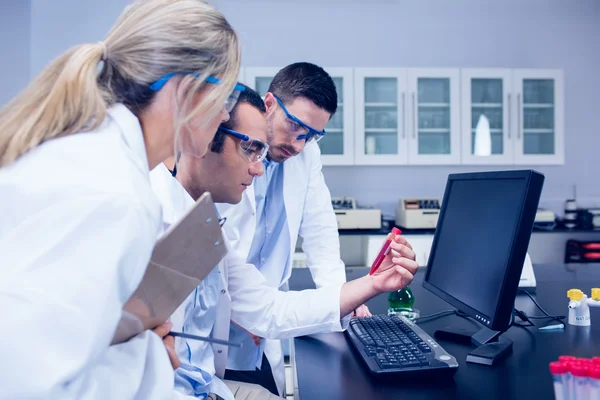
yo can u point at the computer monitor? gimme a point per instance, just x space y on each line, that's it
480 243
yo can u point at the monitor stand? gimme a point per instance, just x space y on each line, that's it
491 348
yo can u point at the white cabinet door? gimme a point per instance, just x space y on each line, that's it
539 122
434 134
337 146
380 116
486 101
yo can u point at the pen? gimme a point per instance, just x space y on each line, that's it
385 249
204 339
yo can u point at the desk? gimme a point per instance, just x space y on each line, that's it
327 367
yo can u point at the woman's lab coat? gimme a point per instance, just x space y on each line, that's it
309 215
79 222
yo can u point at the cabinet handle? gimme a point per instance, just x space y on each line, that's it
403 115
519 116
509 116
415 116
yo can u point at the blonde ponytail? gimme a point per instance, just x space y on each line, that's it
151 38
63 99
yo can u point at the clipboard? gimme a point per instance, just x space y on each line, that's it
182 257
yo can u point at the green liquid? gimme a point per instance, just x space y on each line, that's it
401 299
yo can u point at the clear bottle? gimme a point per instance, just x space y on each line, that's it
401 303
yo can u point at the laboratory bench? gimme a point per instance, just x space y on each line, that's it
326 366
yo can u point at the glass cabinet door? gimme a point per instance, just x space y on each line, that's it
486 102
337 146
380 116
435 101
539 97
538 116
333 141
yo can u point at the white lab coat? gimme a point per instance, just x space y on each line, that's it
249 300
79 222
310 215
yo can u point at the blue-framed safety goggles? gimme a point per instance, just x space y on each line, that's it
229 103
295 127
254 149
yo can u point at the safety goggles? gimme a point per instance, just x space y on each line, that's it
298 129
255 150
229 103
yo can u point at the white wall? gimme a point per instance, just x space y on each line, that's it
388 33
441 33
14 47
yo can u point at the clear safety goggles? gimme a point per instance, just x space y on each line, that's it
298 129
255 150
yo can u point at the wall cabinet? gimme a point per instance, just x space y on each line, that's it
512 116
406 116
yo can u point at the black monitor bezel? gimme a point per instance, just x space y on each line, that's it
500 321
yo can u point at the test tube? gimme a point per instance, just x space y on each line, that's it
594 383
580 381
566 358
559 371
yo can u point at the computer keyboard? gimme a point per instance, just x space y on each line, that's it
392 345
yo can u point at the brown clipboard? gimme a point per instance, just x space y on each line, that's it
181 258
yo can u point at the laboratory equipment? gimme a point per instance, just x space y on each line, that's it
579 306
349 216
418 213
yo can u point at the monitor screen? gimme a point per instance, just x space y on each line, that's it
476 239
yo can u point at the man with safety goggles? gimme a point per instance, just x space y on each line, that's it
237 291
291 199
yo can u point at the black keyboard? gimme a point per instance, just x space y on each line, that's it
397 346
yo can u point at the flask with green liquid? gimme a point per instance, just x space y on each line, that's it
401 303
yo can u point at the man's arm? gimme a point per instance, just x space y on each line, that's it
270 313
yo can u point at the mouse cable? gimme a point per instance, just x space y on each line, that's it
528 318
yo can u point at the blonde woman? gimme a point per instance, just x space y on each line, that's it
79 216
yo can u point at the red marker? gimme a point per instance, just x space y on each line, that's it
385 249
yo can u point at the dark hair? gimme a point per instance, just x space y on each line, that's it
306 80
248 96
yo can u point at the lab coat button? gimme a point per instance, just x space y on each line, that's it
223 291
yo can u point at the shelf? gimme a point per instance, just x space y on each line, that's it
487 105
496 130
381 130
538 105
434 130
531 130
381 104
434 104
334 130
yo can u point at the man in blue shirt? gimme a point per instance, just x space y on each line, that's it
291 200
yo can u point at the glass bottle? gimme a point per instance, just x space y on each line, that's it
401 303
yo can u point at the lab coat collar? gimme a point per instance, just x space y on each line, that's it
131 130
